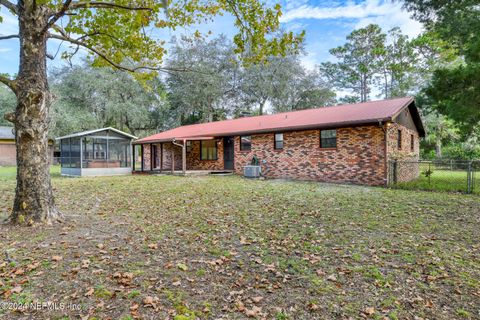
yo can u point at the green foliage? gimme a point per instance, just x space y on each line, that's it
372 59
359 61
88 98
462 151
456 93
206 91
217 86
7 104
455 88
120 33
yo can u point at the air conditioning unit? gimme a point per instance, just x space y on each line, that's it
251 171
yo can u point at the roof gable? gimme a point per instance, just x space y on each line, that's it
86 133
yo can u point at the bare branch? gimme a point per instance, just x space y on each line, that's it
109 61
12 7
11 36
9 83
103 5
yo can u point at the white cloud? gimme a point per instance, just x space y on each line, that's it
349 10
385 13
5 49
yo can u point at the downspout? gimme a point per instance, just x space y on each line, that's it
184 154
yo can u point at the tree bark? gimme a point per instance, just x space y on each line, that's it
262 106
438 148
34 201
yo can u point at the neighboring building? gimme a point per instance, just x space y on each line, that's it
8 151
99 152
347 143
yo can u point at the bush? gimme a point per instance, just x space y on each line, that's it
460 152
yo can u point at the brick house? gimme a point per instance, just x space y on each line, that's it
8 151
345 144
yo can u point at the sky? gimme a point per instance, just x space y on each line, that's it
326 23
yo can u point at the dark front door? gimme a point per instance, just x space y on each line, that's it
228 152
154 157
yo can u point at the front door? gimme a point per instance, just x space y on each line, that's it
154 157
228 153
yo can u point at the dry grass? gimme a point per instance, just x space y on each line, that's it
225 247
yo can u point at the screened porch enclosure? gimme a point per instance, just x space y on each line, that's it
97 152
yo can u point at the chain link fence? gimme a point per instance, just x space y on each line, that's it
441 175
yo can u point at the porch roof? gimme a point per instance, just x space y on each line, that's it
178 139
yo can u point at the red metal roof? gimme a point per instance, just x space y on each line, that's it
342 115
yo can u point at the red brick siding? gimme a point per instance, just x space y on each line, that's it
194 162
8 153
193 157
146 157
170 149
359 157
406 170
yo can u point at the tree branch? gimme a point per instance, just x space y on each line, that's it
10 117
9 83
79 43
11 36
12 7
57 15
103 5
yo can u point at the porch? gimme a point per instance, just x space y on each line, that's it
187 156
188 173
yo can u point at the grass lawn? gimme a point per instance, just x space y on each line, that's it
163 247
440 180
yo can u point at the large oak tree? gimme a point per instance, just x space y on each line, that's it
119 33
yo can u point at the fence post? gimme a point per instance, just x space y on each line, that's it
429 173
469 177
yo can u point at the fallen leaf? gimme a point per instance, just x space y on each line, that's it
313 306
369 311
57 258
320 272
89 292
257 299
182 266
16 289
332 277
254 312
85 264
134 307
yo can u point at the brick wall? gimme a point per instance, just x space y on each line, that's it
7 154
193 157
194 162
359 157
407 166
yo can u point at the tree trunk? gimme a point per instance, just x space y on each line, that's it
34 200
438 148
262 106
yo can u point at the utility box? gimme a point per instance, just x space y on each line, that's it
251 171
